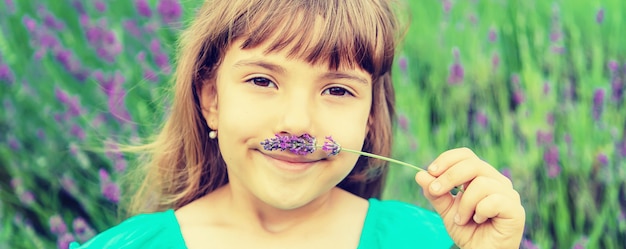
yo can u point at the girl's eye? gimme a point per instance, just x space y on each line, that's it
337 91
262 82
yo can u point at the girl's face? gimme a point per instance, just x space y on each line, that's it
259 95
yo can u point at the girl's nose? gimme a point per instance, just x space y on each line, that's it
297 115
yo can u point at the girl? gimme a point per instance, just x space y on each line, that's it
251 69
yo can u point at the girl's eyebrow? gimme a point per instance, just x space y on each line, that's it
281 70
344 75
263 64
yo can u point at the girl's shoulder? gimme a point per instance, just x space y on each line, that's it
395 224
154 230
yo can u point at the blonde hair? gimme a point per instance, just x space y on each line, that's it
183 163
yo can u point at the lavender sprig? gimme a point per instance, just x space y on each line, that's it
299 145
306 144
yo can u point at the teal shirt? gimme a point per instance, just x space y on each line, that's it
388 224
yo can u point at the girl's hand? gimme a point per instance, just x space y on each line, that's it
487 214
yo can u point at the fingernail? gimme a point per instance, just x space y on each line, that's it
435 186
433 167
457 219
476 218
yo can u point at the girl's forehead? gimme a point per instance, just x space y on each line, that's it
262 56
315 38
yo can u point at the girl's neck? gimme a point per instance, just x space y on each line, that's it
272 220
229 219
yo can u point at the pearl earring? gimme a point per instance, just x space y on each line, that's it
212 134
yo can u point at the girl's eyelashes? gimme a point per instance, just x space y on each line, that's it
337 91
262 82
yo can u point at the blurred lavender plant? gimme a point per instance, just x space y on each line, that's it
456 70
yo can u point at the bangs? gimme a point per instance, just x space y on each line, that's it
340 33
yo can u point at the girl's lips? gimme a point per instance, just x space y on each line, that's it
290 162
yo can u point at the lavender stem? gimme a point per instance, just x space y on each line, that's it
456 189
383 158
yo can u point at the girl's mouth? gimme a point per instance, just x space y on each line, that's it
291 163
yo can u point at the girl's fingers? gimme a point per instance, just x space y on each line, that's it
441 203
477 191
463 172
502 208
448 158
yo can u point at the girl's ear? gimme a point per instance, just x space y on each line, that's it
208 103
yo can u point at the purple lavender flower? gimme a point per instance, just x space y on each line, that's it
120 165
602 159
82 229
546 88
57 225
600 16
150 75
10 5
527 244
551 158
131 27
29 23
598 103
49 41
299 145
456 71
481 119
555 35
170 10
617 89
581 243
515 80
403 122
506 172
112 87
447 6
162 61
621 148
78 5
518 97
102 39
41 134
72 103
473 19
100 6
143 8
14 144
104 175
27 198
78 132
493 35
111 191
495 61
53 23
613 66
68 184
330 146
6 74
63 242
403 64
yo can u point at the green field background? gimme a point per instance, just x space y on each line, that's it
536 88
